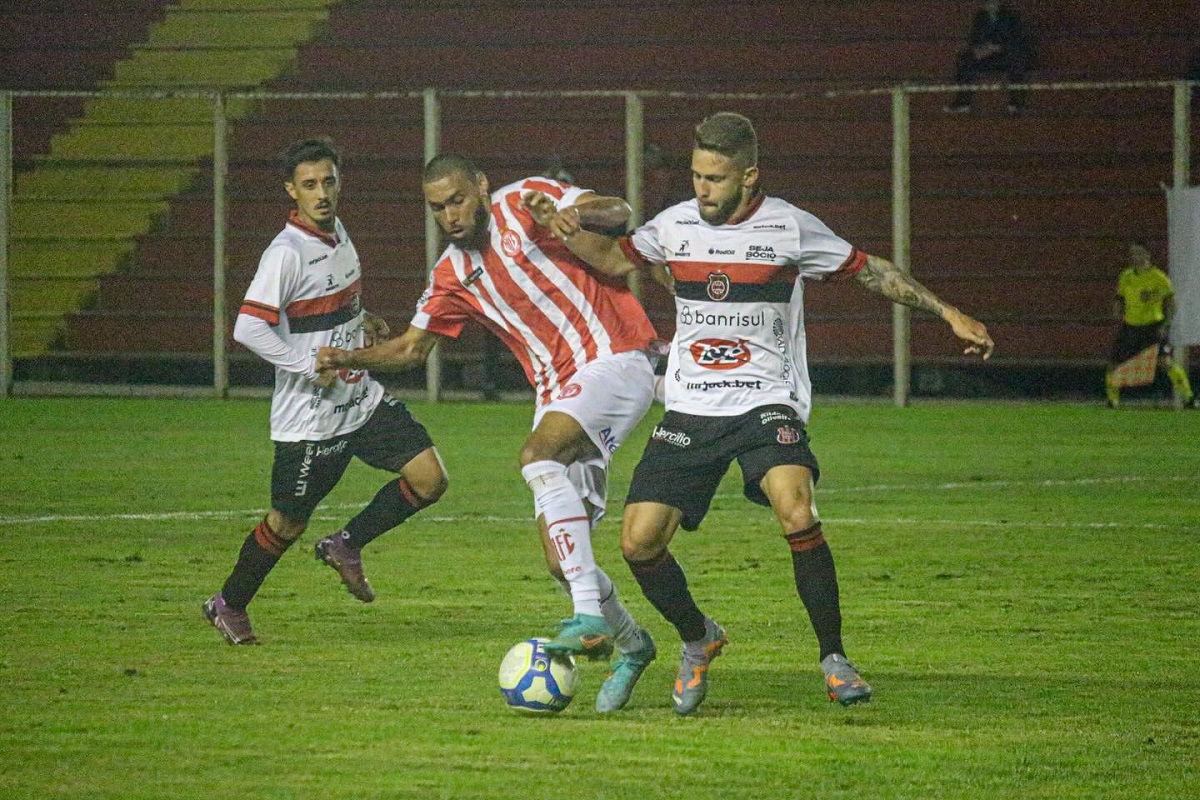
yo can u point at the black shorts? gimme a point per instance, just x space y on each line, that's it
305 472
1133 339
687 456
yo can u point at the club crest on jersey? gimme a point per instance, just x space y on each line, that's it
720 353
510 243
787 435
356 304
718 285
569 391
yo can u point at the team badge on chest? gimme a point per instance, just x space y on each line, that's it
718 285
510 243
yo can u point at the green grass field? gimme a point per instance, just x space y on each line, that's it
1019 583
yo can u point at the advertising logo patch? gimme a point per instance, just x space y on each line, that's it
720 353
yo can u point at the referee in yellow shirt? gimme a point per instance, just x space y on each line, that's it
1145 304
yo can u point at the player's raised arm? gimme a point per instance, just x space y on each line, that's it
601 252
883 277
406 351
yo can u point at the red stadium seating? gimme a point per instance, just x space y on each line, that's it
1019 219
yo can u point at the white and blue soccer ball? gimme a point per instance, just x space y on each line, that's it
535 682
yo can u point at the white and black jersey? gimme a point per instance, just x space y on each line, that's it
308 290
739 304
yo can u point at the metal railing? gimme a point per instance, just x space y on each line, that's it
634 137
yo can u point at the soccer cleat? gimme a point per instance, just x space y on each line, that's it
626 670
691 683
234 625
842 681
583 635
334 551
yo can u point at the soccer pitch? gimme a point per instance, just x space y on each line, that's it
1019 584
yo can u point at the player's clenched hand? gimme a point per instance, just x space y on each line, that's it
375 329
563 224
974 332
325 378
331 358
540 206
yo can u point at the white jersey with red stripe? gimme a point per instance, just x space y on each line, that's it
739 304
551 309
308 288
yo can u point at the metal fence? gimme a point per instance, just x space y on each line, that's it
867 135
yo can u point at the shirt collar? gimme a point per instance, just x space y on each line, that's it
330 239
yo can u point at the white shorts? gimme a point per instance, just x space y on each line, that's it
608 398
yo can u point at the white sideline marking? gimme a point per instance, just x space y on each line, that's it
998 484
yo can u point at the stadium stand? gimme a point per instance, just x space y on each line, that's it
1021 219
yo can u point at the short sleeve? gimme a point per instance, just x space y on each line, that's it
273 284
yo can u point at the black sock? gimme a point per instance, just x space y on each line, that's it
392 504
816 582
665 586
260 553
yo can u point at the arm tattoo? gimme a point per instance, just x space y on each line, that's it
883 277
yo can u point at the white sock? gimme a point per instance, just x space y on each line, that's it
626 633
570 531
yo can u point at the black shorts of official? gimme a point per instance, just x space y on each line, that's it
1133 339
305 472
688 455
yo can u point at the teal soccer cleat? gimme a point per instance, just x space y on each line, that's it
583 635
626 670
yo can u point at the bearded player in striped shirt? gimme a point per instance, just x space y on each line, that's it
585 344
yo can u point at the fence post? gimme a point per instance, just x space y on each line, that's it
901 240
6 156
220 173
1182 176
433 142
635 148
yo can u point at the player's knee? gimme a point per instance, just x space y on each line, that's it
285 527
425 479
795 516
430 488
636 546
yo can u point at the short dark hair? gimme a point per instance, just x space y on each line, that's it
732 135
445 164
315 149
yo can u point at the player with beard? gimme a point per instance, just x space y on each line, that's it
586 348
305 294
737 384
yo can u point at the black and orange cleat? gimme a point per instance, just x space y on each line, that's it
691 682
842 681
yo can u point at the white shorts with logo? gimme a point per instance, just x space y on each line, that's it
608 398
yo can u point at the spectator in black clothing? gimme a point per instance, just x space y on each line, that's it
998 42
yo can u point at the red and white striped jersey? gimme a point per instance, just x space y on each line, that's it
739 304
308 289
552 310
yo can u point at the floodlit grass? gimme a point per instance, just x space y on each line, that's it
1019 584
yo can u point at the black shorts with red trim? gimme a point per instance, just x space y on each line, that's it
688 455
1133 339
305 472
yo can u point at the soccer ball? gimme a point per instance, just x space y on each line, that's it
535 682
